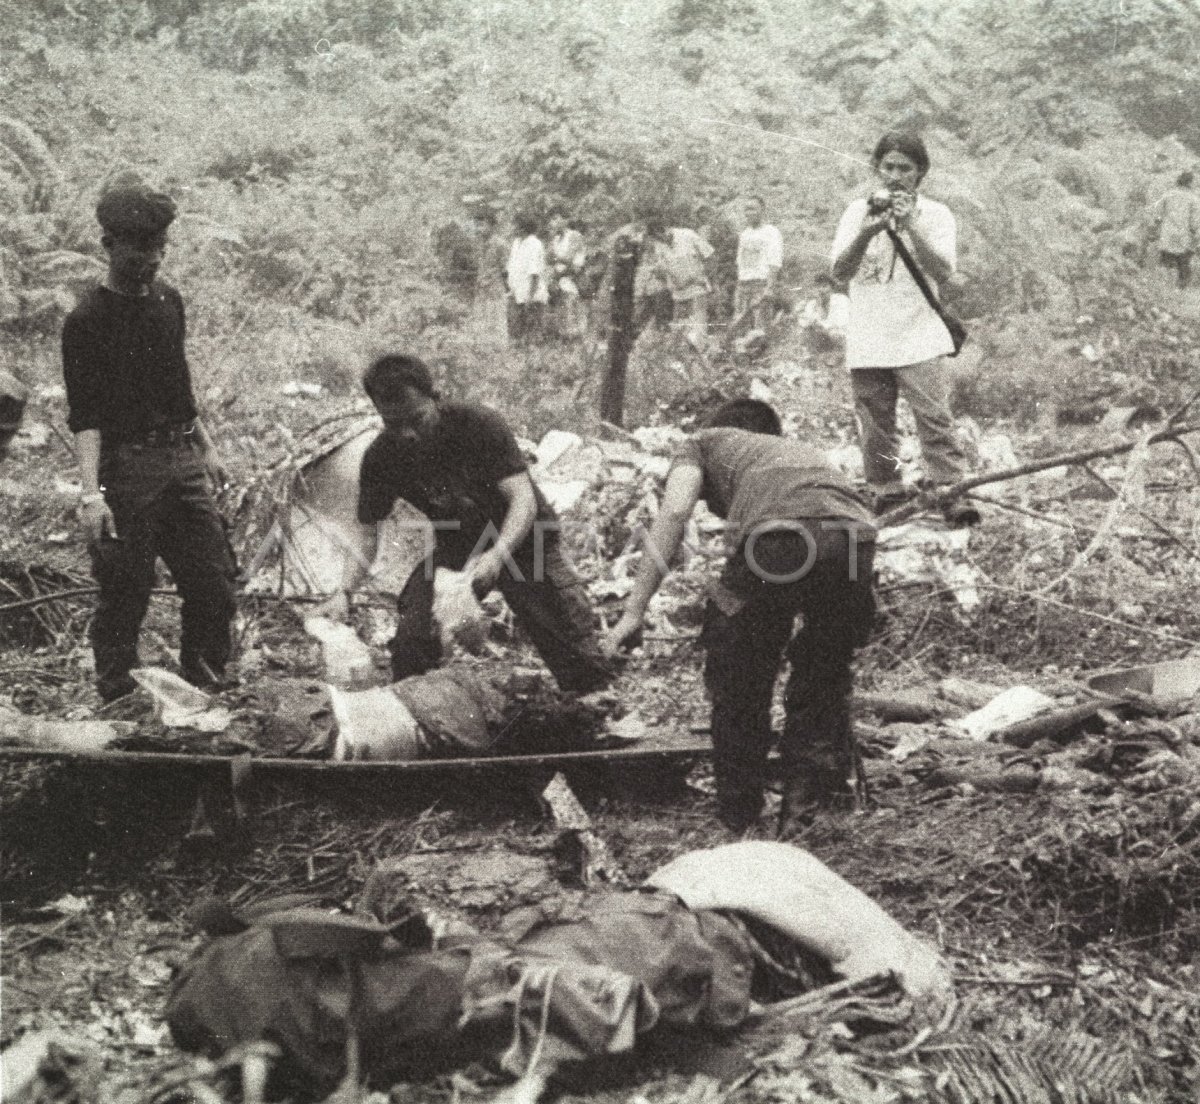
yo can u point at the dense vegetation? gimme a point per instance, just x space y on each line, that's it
321 148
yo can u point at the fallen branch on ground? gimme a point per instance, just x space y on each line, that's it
1062 460
929 589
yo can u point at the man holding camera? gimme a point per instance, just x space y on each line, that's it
895 338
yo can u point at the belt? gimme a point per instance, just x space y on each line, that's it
162 436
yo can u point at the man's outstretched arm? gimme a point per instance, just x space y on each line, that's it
666 535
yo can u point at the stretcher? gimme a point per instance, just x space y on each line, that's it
682 750
219 785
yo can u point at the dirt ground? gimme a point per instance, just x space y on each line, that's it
1067 908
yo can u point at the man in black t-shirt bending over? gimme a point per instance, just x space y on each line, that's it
145 460
459 464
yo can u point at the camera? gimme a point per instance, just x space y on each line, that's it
880 202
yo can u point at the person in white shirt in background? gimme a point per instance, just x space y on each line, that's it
894 338
568 255
528 281
759 259
681 256
1175 221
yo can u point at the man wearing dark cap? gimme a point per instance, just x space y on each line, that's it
146 461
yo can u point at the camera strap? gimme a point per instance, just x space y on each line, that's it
958 333
914 271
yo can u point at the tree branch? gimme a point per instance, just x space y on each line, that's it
955 490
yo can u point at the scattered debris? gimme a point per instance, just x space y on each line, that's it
554 445
179 704
297 520
52 1067
69 905
925 552
967 693
910 738
72 736
913 705
594 863
629 729
1052 724
32 620
348 661
299 387
1018 703
1166 683
1010 778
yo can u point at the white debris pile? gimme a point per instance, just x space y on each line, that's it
924 552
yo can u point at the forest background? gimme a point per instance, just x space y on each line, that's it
329 156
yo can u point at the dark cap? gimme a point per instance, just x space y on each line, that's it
129 206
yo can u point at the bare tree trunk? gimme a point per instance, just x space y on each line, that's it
621 330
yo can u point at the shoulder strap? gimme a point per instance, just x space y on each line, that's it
914 270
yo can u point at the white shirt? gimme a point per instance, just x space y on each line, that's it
891 325
1178 215
681 262
569 248
760 249
527 262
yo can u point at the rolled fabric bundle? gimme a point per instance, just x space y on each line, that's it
794 892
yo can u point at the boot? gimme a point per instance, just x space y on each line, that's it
809 793
958 514
739 819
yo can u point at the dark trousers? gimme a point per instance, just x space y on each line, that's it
160 500
748 629
657 308
1181 263
526 321
547 598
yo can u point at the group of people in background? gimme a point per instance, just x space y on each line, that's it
547 278
689 276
